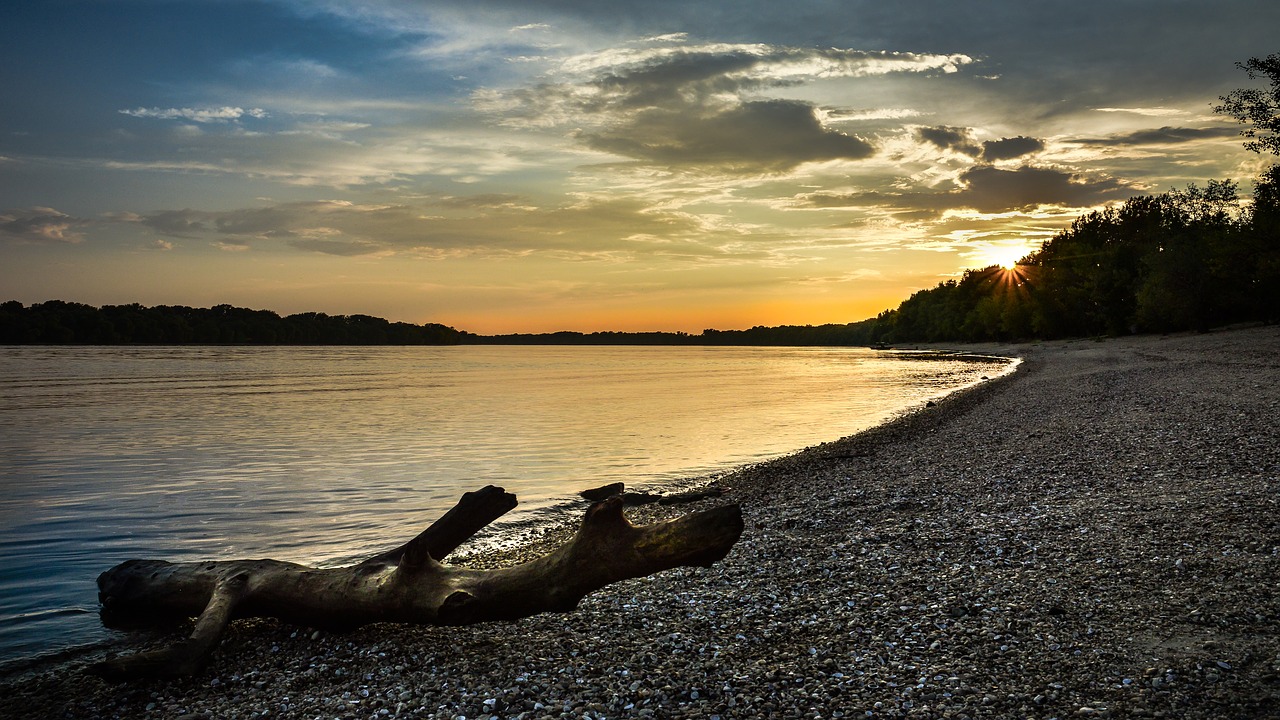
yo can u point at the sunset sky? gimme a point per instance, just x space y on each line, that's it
539 165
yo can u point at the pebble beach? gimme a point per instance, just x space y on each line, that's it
1094 535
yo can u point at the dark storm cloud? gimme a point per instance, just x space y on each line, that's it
951 138
41 225
961 140
771 135
1010 148
989 189
1161 136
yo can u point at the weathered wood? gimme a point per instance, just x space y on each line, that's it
407 584
472 514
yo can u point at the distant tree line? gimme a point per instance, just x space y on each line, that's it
1182 260
57 323
815 335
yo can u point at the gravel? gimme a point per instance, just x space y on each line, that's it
1094 535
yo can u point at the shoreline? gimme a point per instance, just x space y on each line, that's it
1093 534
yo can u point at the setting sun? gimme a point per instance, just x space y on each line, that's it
1006 256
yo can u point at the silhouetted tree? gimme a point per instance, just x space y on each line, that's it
1259 109
1188 280
1262 235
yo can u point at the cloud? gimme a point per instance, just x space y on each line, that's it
1166 135
992 190
702 107
951 138
341 248
487 200
756 64
489 226
1148 111
41 225
1010 148
328 158
760 136
175 223
988 189
678 37
200 115
962 140
842 115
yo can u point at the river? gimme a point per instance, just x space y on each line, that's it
324 455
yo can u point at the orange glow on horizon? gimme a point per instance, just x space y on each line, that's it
691 320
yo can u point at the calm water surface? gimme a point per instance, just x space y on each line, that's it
326 455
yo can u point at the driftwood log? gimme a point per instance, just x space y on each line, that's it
405 585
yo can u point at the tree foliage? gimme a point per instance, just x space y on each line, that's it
1258 109
58 322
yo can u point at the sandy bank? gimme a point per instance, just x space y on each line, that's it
1095 535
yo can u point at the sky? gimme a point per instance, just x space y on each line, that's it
541 165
